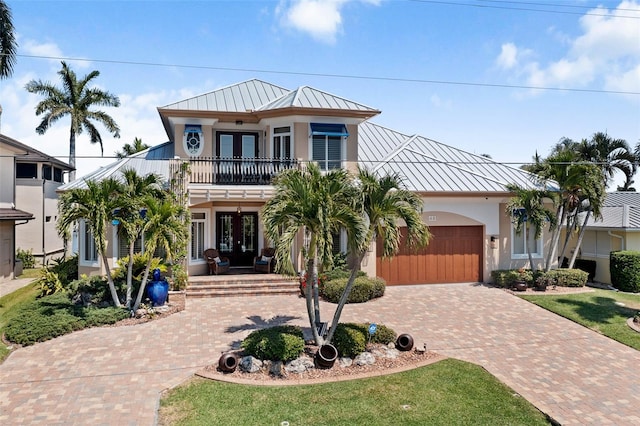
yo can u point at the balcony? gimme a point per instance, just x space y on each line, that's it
234 171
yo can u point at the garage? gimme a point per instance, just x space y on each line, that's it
454 255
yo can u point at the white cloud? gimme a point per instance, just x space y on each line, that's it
322 19
508 57
49 50
607 52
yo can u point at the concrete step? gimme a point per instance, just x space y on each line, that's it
241 285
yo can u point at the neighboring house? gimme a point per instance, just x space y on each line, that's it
237 138
618 229
33 178
10 216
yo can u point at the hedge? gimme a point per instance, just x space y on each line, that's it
625 270
363 290
279 343
350 339
561 277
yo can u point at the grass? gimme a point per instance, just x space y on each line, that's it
30 273
10 307
602 310
448 392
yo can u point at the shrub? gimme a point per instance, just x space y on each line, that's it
49 282
279 343
55 315
363 290
66 268
27 258
625 270
350 339
566 277
507 277
119 273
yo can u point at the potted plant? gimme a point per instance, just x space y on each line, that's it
521 281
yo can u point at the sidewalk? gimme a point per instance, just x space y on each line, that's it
9 286
115 375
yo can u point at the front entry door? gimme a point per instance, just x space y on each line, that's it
237 237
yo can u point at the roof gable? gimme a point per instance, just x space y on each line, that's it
26 153
308 97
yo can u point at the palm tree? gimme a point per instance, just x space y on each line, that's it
529 213
135 192
613 155
130 149
94 205
8 45
165 227
383 203
75 100
306 200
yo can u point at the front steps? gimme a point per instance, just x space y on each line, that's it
234 285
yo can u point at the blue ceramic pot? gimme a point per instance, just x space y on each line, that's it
158 291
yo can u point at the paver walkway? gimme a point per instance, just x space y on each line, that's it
114 375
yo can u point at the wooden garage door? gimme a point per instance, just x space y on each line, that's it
454 255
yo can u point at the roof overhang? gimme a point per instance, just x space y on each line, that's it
14 214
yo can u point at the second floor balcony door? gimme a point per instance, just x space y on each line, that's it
236 152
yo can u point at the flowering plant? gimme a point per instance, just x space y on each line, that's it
322 278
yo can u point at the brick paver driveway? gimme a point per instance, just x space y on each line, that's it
114 375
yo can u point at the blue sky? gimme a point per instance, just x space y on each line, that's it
406 58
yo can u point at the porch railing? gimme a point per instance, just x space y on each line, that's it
237 171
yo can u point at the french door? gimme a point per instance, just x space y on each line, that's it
237 237
236 153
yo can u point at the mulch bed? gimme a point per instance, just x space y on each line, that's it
176 303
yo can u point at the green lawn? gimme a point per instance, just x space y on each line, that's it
604 311
449 392
10 307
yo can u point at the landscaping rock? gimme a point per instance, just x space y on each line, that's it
276 368
249 364
299 365
386 352
345 362
365 358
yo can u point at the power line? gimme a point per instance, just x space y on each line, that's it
528 9
326 75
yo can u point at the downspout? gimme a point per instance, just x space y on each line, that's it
44 252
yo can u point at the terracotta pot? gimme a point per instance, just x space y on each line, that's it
326 356
228 362
404 342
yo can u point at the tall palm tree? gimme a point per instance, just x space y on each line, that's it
130 149
529 214
75 99
613 155
135 192
165 227
94 205
383 202
8 45
306 200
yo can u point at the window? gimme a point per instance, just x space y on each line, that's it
26 170
89 252
198 222
123 246
326 144
46 172
282 143
519 250
57 175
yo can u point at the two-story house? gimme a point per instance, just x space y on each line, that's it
237 138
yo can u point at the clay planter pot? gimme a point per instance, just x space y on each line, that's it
326 356
228 362
404 342
541 286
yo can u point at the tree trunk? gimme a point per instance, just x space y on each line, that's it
528 246
130 275
571 219
555 236
345 296
112 287
143 284
316 292
72 154
580 236
310 311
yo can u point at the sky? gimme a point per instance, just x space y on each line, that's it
496 77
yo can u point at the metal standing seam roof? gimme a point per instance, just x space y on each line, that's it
620 210
308 97
152 160
431 166
242 97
